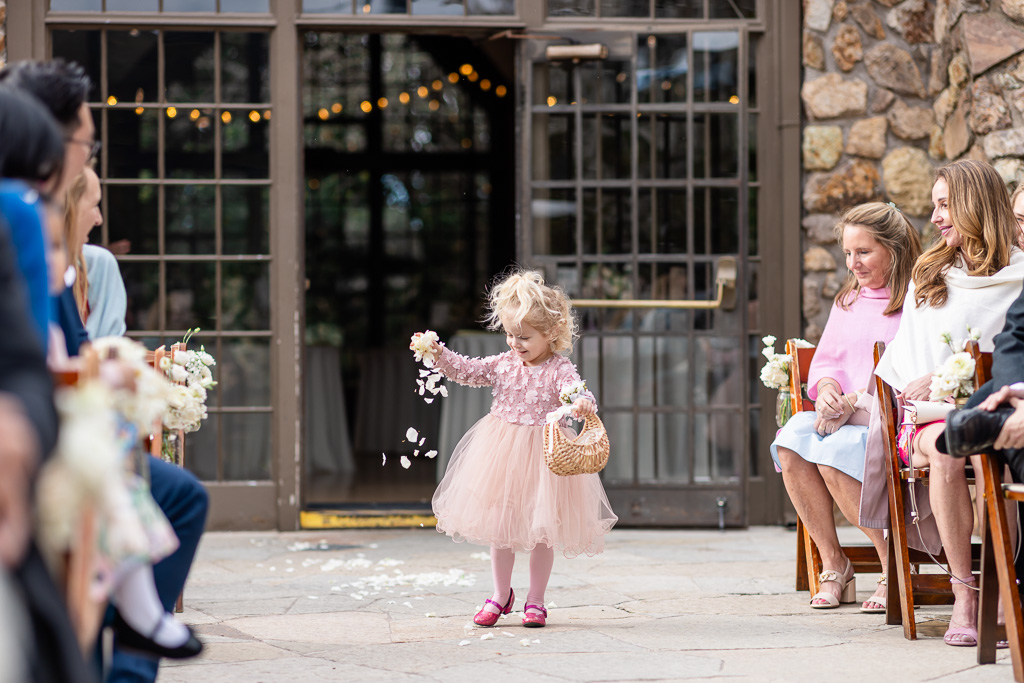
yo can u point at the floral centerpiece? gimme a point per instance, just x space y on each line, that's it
954 378
186 403
775 375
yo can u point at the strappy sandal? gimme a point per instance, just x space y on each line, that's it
847 588
486 617
875 601
961 636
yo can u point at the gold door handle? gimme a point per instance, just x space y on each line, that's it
725 278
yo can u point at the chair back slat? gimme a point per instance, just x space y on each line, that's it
799 368
982 363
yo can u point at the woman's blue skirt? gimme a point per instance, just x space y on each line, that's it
843 450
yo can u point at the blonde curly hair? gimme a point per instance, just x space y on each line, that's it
521 297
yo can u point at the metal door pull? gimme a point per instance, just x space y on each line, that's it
725 278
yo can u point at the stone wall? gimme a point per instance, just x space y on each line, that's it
891 90
3 33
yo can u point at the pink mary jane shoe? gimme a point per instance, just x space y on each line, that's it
486 617
534 620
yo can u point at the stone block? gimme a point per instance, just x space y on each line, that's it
936 144
813 51
910 123
881 100
813 332
820 228
977 152
810 299
818 259
944 104
1013 9
1004 143
990 40
831 286
989 110
938 71
866 17
908 176
818 14
892 67
956 137
822 147
914 20
830 97
853 182
1011 170
840 11
846 47
959 70
867 137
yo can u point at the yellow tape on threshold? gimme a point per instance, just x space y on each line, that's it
333 520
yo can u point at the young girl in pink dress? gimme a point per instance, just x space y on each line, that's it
497 490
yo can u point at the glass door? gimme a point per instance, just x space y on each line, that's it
640 186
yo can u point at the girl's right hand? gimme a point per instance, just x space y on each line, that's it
918 390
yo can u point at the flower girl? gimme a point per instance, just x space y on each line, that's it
497 490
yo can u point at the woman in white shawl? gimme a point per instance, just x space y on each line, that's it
967 279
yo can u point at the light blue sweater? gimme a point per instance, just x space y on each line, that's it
108 302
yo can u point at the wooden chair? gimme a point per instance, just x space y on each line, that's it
998 574
910 588
808 559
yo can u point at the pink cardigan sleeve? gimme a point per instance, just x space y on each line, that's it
472 372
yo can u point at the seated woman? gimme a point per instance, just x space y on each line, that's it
968 278
821 453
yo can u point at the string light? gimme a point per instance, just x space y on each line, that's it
323 114
466 69
382 102
473 77
139 110
552 100
365 106
194 114
404 98
734 99
434 105
453 77
254 116
111 100
171 112
500 91
336 107
225 117
485 85
422 91
437 85
266 114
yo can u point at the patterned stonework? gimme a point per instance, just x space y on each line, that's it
3 32
893 89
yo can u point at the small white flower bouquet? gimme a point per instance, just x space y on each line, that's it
775 372
955 377
572 392
422 346
190 371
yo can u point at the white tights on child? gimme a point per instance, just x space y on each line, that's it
542 559
136 599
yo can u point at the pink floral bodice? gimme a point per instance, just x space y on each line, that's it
523 395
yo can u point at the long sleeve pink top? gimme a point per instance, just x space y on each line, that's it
844 352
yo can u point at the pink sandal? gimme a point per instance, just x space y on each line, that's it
485 617
534 620
961 636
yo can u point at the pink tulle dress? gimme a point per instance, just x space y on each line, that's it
497 490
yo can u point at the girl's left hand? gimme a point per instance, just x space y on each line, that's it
583 407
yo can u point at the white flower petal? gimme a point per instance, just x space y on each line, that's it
463 642
525 642
428 400
411 435
487 636
384 459
431 454
406 462
444 390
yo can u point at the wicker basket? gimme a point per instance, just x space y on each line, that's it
585 454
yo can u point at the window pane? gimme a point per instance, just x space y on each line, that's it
554 221
716 213
715 146
242 372
670 219
245 144
645 465
190 227
191 297
571 8
142 285
380 6
490 7
752 149
666 82
326 6
716 68
733 9
556 160
670 146
679 9
752 246
438 7
132 218
188 70
245 300
246 220
664 281
190 6
673 448
82 47
625 8
606 82
616 143
189 151
244 75
132 143
553 83
246 446
131 64
718 363
620 433
132 5
201 446
75 6
247 6
616 221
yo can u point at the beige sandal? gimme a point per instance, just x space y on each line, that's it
847 586
874 601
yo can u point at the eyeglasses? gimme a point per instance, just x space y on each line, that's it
93 147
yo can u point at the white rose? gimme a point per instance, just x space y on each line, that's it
768 340
178 373
959 366
941 387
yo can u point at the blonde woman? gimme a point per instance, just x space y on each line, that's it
98 288
969 277
821 453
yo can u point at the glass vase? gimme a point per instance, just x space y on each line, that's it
783 408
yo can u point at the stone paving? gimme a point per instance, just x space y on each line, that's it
657 605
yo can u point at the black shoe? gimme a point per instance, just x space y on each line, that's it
128 638
972 430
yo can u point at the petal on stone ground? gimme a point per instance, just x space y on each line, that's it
411 435
406 462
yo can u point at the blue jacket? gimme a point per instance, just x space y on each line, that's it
22 210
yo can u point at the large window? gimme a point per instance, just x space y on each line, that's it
183 117
654 9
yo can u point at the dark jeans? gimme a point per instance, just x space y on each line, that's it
185 502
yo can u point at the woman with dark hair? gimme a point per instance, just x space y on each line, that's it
31 163
967 279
